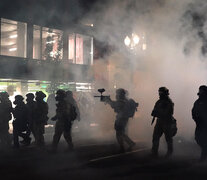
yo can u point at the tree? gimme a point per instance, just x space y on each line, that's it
58 54
48 54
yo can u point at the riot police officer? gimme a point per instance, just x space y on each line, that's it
63 120
199 115
31 107
41 118
122 118
20 123
5 116
163 111
70 99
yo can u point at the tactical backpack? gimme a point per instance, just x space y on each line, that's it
73 113
131 107
174 128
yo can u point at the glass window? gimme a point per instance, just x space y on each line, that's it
13 38
91 51
79 49
71 50
84 49
52 44
36 42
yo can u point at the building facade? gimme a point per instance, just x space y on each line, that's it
36 57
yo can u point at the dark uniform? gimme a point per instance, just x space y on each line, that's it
63 120
199 115
41 118
163 110
31 107
70 100
122 118
20 123
5 117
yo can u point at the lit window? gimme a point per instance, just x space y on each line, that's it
79 49
36 42
84 49
71 50
13 38
52 44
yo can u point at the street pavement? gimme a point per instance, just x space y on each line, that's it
93 159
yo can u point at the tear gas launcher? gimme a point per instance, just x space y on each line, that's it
102 97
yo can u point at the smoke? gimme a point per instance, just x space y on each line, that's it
176 38
175 55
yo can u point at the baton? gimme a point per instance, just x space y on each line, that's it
153 119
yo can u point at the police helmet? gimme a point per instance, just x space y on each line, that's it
40 94
30 95
202 88
164 90
121 91
69 93
61 93
18 98
4 95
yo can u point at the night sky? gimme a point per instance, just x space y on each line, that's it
49 9
12 6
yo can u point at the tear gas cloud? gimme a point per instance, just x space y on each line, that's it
175 55
175 58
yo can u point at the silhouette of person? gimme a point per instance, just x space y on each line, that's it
163 111
122 118
199 115
63 119
70 100
31 107
5 117
41 118
20 123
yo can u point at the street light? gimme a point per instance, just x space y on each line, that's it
133 41
127 41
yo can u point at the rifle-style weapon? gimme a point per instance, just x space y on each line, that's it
102 98
153 119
